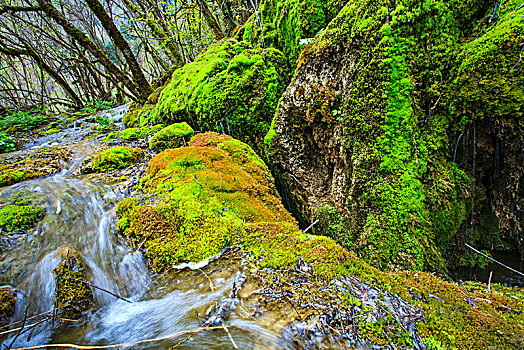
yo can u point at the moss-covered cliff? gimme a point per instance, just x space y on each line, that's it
364 137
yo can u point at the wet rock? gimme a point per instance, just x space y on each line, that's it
27 165
73 295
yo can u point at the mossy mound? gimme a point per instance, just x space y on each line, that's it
19 217
73 295
217 192
116 158
21 167
173 136
373 133
139 133
7 305
229 88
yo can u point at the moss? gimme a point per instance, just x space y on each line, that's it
420 67
18 218
172 136
116 158
7 305
229 88
138 115
50 131
132 133
153 98
286 23
73 295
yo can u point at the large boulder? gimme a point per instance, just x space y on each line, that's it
364 137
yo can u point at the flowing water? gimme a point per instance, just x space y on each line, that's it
80 214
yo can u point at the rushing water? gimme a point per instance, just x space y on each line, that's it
80 214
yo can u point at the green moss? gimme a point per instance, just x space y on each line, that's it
286 23
19 217
51 131
132 133
138 115
406 104
172 136
116 158
229 88
73 295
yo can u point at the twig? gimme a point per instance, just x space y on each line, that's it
102 289
230 337
489 282
209 279
116 346
310 226
29 318
21 328
490 258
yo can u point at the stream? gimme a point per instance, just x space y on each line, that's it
80 214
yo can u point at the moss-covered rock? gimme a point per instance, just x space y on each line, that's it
23 166
373 133
215 193
230 88
19 217
73 296
138 115
172 136
7 305
118 157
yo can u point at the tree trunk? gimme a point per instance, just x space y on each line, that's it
88 44
123 46
210 20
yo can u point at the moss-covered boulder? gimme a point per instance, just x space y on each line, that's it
138 115
368 128
73 295
139 133
118 157
216 193
7 305
230 88
173 136
27 165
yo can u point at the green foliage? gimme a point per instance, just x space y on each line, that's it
21 121
7 143
104 124
172 136
19 217
116 158
229 88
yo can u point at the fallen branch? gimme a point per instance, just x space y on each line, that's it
490 258
116 346
102 289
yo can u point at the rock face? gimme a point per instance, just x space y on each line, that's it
364 137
